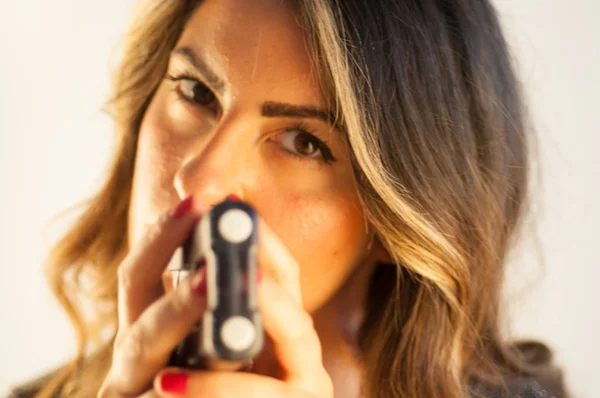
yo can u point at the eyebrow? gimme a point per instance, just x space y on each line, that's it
201 67
277 109
269 109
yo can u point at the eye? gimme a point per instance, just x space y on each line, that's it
194 91
301 143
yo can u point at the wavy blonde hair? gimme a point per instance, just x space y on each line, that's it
432 113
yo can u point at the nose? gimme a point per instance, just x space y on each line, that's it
218 167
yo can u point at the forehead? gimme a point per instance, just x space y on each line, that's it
257 44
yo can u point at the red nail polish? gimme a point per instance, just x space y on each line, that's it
235 198
183 207
174 383
200 281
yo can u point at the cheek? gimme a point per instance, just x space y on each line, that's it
326 236
156 163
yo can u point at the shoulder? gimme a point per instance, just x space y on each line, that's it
30 388
544 378
519 388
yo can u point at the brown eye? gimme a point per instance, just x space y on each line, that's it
306 144
196 92
301 143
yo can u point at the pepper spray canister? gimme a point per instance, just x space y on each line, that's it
230 333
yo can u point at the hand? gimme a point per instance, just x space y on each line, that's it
152 323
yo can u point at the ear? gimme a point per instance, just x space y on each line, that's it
379 252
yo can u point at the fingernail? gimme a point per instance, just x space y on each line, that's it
258 275
199 285
235 198
174 383
183 207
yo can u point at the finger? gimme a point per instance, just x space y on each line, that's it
140 273
146 346
111 394
108 392
206 384
277 261
150 394
295 340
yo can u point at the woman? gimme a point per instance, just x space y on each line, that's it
383 235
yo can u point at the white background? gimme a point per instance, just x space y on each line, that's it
55 58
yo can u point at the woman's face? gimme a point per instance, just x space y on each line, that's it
241 112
